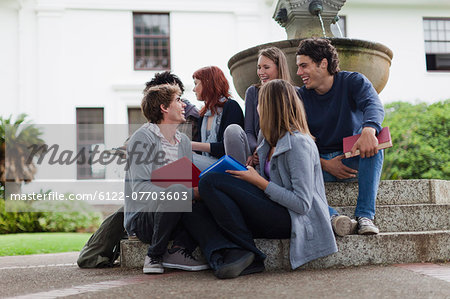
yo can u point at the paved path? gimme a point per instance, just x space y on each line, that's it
56 275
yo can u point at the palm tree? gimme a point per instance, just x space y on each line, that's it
15 141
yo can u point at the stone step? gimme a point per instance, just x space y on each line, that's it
392 192
413 217
401 218
354 250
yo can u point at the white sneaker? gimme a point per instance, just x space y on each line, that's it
343 225
153 265
366 227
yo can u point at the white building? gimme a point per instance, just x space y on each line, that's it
403 26
59 55
69 61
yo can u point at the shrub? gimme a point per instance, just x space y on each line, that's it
17 221
420 136
46 216
67 216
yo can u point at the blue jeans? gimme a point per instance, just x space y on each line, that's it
369 173
243 211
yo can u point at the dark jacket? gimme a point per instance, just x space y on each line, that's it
232 114
350 105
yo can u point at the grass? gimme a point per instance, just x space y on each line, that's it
36 243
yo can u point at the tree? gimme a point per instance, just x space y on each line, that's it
16 137
421 141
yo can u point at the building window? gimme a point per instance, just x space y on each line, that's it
90 142
437 43
151 41
339 29
135 119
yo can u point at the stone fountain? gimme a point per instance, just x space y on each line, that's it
313 18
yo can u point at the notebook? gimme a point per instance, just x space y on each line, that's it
384 141
223 164
181 171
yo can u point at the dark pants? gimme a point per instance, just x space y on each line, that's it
158 228
186 229
206 232
243 211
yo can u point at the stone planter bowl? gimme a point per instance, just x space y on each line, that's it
369 58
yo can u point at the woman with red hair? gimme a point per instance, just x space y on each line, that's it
220 111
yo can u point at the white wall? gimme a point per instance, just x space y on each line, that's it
80 54
9 60
55 58
401 29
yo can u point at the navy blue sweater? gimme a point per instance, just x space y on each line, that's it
350 104
231 114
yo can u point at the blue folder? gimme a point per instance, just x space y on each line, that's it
223 164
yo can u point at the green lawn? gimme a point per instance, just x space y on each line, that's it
34 243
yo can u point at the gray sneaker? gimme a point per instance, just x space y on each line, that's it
366 226
153 265
343 225
179 258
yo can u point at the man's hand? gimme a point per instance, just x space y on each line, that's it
251 176
336 168
367 143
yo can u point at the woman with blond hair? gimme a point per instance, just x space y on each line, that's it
285 197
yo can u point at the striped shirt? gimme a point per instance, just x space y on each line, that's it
170 150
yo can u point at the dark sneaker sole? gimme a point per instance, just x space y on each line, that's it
186 267
252 269
234 269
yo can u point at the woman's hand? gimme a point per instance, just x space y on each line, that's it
253 160
251 176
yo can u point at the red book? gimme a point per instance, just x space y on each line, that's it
181 171
384 141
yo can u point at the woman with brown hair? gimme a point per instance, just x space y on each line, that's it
285 198
220 111
272 64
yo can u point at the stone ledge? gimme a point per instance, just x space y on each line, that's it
403 218
392 192
384 248
354 250
440 191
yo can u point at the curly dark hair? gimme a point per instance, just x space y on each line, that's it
317 49
164 78
154 97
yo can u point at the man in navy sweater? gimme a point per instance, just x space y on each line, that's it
340 104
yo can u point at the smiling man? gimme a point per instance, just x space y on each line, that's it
340 104
148 214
